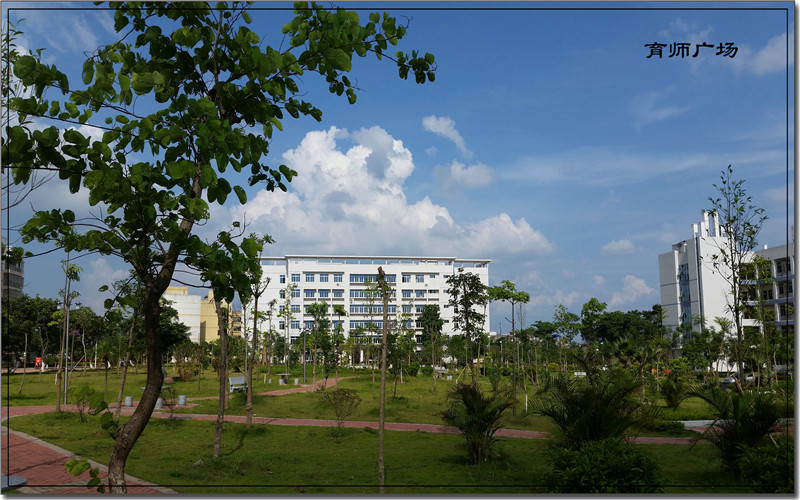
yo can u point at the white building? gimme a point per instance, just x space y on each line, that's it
188 307
691 287
342 280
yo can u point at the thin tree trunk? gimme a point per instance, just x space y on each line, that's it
24 363
223 379
125 368
251 361
382 411
133 428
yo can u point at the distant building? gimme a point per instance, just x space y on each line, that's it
200 314
692 288
13 275
415 281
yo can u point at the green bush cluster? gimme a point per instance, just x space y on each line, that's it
770 467
605 466
427 370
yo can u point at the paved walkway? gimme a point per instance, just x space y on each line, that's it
42 464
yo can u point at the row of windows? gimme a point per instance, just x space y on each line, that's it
419 278
363 278
323 277
367 309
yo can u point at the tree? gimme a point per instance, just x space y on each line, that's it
507 292
567 327
432 335
319 311
384 289
258 286
71 273
590 312
338 334
208 79
467 292
740 222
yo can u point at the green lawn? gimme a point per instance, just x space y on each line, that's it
272 459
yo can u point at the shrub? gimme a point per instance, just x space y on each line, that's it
427 371
770 468
412 369
593 408
674 389
477 416
552 367
82 398
744 420
605 466
344 402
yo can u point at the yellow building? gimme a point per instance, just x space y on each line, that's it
200 314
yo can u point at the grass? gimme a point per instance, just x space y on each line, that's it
267 459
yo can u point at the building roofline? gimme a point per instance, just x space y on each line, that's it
376 257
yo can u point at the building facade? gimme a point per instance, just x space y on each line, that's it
692 288
200 314
13 275
296 281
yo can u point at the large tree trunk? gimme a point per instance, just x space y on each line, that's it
134 427
223 379
125 368
24 363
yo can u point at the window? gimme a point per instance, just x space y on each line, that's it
406 278
338 278
420 294
281 325
295 308
310 278
283 294
406 309
283 278
282 308
420 278
295 277
296 293
419 309
323 278
310 294
323 294
433 292
295 324
363 278
338 294
406 294
308 325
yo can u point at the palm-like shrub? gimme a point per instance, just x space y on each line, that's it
477 416
770 468
744 420
674 389
598 407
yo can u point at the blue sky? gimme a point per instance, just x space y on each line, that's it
548 143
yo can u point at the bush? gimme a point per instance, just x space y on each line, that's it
552 367
411 369
427 371
674 389
477 416
82 397
344 402
770 468
605 466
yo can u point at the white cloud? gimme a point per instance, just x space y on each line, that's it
633 288
769 59
598 280
97 273
353 201
458 175
446 127
649 108
619 247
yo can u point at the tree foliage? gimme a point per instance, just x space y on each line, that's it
177 98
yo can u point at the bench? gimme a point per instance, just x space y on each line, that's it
236 384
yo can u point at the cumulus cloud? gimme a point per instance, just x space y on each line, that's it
458 175
353 201
619 247
97 273
446 127
598 280
632 289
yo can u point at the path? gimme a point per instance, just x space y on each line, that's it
42 464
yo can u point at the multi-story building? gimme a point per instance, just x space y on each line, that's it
296 281
200 314
13 275
692 288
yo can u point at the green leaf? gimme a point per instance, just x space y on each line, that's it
338 58
88 71
25 69
241 194
77 467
